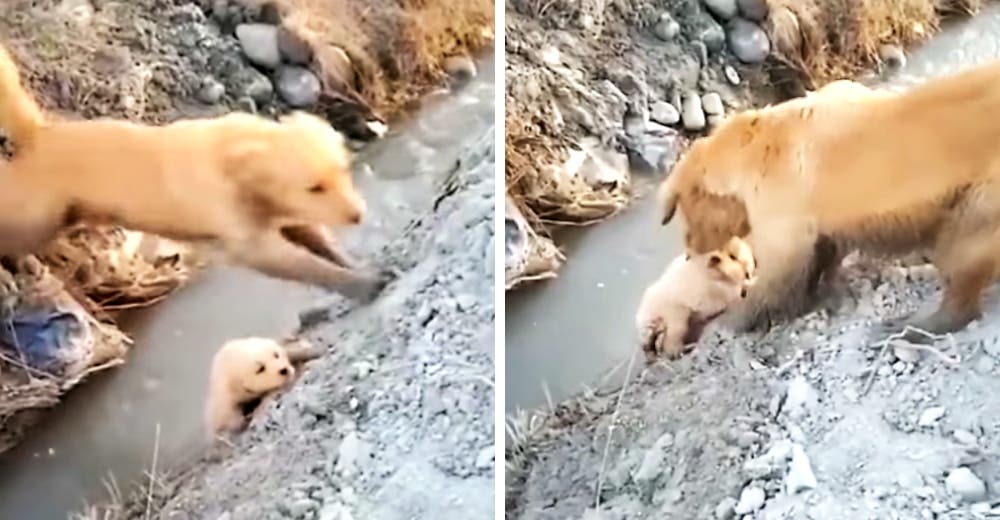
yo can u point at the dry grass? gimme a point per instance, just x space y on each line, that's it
396 46
834 39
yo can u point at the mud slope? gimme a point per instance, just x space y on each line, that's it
397 420
812 420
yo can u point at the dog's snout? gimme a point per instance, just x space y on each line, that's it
283 371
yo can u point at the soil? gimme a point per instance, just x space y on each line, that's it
817 418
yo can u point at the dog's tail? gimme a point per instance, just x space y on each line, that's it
20 115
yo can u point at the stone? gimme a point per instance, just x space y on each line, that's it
666 27
751 499
655 152
654 461
753 10
725 510
748 41
246 104
799 397
732 76
334 511
931 416
747 439
985 365
965 484
302 507
965 437
211 91
724 9
800 474
664 113
298 86
460 67
711 103
294 49
260 44
249 82
485 458
692 113
892 56
348 454
904 351
713 36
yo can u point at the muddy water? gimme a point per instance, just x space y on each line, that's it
574 330
107 428
568 332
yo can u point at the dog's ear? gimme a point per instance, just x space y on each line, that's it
667 196
244 162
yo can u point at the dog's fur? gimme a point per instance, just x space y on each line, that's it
692 291
244 371
881 172
257 188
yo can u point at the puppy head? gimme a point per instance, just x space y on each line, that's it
735 263
258 365
298 170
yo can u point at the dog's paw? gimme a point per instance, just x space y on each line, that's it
366 287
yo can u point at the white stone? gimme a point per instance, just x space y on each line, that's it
692 113
800 474
931 416
964 483
751 499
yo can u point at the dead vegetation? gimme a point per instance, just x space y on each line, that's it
827 40
396 47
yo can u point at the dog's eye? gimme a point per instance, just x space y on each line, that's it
317 188
275 355
732 257
260 368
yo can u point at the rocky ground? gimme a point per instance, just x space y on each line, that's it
814 420
817 418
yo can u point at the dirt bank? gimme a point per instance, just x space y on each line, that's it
814 419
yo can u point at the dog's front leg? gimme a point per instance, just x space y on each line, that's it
320 242
270 253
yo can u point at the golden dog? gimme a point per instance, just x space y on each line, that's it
855 168
257 188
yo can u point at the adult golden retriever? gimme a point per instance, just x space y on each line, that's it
852 168
257 188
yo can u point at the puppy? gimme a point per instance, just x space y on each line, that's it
258 189
885 173
244 371
694 290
